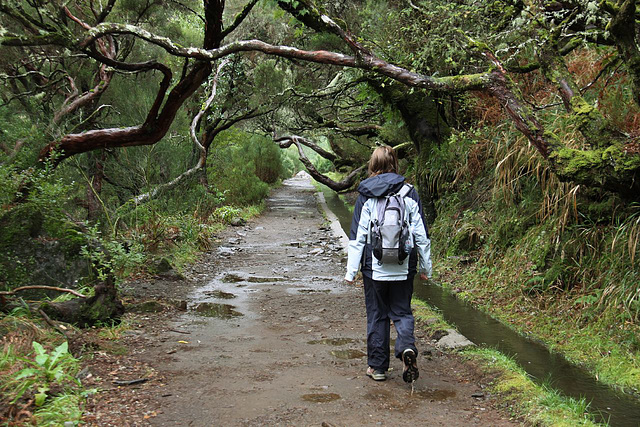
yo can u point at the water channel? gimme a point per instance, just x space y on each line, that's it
618 408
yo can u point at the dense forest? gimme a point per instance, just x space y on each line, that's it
132 131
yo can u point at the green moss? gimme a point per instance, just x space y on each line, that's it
621 161
537 404
578 165
463 82
609 6
427 318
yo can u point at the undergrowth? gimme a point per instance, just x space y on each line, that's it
38 384
536 404
556 260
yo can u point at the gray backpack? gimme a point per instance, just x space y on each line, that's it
390 236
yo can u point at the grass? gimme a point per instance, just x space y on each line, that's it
538 405
548 258
41 384
114 332
427 317
63 408
601 344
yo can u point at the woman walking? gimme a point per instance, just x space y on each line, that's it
388 286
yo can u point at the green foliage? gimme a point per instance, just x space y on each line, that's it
47 378
60 409
226 213
538 404
47 369
429 39
551 258
32 228
244 166
111 257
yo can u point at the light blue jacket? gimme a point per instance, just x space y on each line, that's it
389 271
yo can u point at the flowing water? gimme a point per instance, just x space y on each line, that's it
619 409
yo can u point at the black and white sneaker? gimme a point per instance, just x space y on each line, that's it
410 373
376 374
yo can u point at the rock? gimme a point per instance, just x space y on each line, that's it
316 251
237 221
225 251
453 341
85 373
162 266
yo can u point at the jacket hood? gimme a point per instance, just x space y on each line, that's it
381 185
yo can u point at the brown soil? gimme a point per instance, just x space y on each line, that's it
271 335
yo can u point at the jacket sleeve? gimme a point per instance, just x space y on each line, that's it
357 209
414 195
356 245
421 239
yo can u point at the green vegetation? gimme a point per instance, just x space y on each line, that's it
537 404
537 253
44 376
517 121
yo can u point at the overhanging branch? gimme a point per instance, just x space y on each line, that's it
364 61
347 182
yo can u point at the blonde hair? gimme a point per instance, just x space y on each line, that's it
383 160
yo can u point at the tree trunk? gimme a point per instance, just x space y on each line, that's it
103 307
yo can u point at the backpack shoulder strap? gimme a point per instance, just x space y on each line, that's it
381 207
405 190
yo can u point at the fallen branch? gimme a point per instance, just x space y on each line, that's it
48 288
54 325
131 382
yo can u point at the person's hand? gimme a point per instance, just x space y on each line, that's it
423 276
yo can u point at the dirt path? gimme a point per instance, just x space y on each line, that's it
272 336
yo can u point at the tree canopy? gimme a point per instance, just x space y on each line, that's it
68 54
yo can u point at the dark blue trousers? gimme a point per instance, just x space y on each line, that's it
387 301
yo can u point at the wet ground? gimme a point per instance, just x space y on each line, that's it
269 334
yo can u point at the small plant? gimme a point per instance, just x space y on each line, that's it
111 256
226 213
47 369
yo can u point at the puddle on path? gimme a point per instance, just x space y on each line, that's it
221 311
314 291
348 354
333 341
320 397
220 294
434 395
235 278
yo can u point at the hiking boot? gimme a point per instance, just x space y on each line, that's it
410 373
376 374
